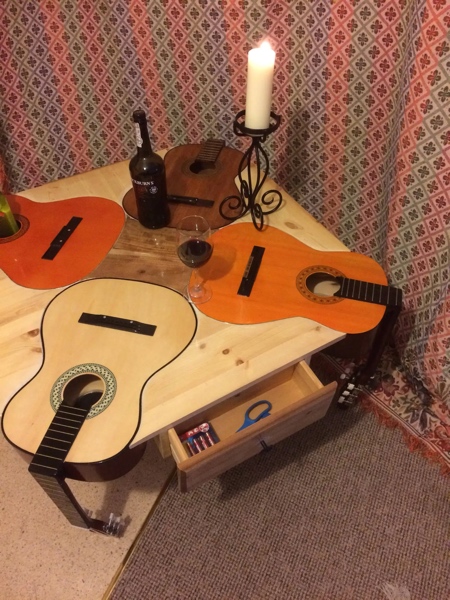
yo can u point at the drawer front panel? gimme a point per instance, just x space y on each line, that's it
238 447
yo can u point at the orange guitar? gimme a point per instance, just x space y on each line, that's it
261 276
199 177
60 242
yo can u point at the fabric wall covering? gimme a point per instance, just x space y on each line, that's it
362 87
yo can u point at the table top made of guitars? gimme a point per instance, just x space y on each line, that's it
222 359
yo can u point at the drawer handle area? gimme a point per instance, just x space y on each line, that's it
265 446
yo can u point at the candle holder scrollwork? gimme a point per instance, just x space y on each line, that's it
249 189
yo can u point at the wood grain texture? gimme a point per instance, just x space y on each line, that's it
296 403
222 360
21 255
275 294
145 255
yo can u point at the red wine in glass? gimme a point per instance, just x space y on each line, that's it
195 253
194 247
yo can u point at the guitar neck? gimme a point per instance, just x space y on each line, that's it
392 298
375 293
59 492
209 153
47 468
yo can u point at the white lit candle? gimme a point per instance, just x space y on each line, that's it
261 64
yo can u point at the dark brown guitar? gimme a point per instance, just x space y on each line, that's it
199 177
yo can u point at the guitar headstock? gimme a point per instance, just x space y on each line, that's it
352 386
348 392
114 526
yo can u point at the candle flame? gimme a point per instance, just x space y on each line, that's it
265 46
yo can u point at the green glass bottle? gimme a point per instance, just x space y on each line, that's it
8 223
148 176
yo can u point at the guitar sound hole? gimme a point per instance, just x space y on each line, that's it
322 284
19 225
84 391
196 168
23 226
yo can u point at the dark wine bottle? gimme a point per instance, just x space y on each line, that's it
148 176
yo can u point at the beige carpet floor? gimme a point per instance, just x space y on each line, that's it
42 557
339 511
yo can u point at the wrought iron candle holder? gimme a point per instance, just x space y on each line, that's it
249 189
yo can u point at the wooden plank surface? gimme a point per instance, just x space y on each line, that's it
221 360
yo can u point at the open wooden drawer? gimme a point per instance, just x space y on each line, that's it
298 399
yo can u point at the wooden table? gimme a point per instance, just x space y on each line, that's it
222 360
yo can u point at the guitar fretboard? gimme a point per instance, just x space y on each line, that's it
58 440
375 293
47 464
208 154
47 468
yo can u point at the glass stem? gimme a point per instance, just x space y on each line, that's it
197 281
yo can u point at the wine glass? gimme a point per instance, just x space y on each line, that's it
194 247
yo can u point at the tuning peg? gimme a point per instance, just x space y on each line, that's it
348 395
113 526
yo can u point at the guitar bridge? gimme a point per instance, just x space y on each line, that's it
62 237
117 323
251 271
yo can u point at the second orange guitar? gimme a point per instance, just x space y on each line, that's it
293 280
59 243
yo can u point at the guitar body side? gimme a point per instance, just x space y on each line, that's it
106 470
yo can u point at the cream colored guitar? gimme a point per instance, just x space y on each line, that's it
102 340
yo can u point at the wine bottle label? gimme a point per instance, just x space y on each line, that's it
147 186
138 135
151 203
